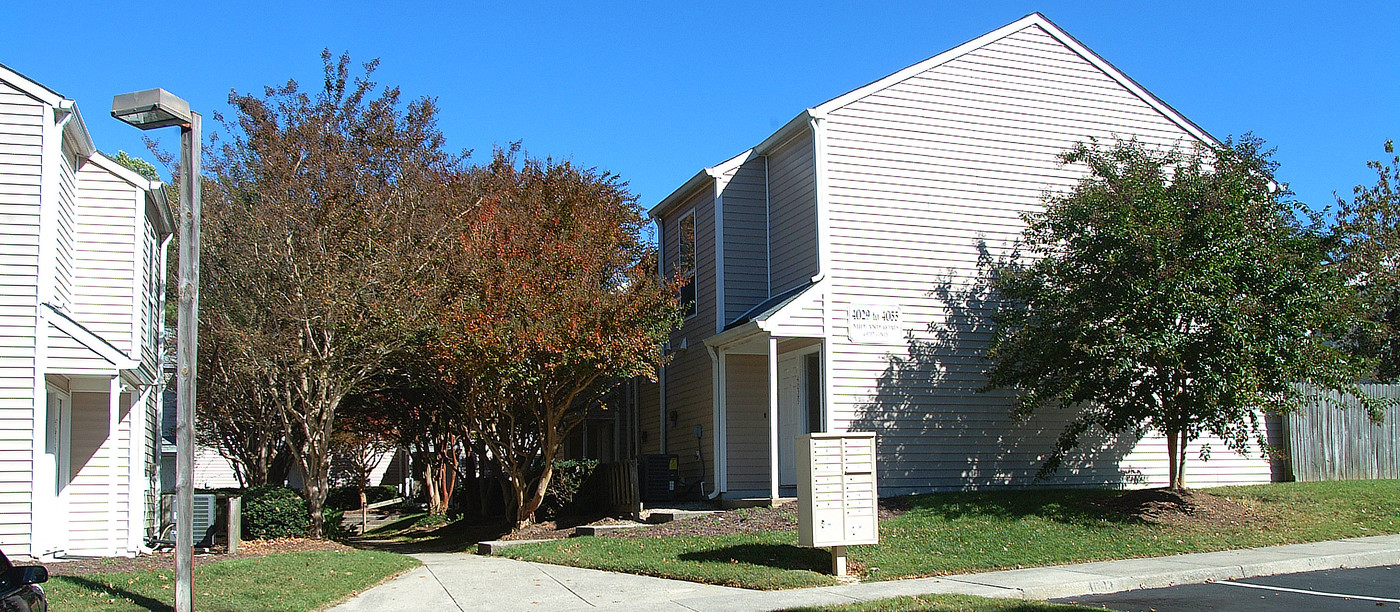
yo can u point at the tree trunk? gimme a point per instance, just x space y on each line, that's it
1176 464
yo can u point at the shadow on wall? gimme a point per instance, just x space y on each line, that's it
936 431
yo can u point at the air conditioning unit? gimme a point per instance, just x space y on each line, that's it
659 475
205 517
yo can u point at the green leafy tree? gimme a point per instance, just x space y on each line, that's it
1369 227
137 165
1170 292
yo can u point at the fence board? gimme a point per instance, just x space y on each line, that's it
1330 443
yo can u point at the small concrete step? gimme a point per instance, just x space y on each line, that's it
657 517
492 547
755 502
595 530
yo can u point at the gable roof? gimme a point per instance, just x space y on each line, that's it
801 121
155 190
1054 31
74 130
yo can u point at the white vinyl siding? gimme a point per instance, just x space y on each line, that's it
98 496
924 177
109 251
792 214
745 202
21 153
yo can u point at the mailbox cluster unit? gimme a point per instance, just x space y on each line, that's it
836 494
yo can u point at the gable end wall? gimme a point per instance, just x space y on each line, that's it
21 154
926 175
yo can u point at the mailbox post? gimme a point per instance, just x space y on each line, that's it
836 494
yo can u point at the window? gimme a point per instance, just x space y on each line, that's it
685 264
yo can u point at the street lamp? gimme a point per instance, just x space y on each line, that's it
151 109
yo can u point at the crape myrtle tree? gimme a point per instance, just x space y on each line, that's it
406 406
319 229
236 409
1369 253
552 299
1176 292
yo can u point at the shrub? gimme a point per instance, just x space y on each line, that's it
569 476
333 525
348 498
274 511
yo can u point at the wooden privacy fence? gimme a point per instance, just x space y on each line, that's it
1330 443
613 487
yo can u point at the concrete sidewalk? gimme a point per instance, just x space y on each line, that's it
461 581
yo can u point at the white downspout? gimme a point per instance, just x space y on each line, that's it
823 214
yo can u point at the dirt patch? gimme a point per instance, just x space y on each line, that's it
1181 508
165 560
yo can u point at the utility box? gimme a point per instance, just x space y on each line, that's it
836 496
659 476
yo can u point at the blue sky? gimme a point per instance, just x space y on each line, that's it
654 91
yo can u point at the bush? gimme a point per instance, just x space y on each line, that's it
333 525
559 496
274 511
348 498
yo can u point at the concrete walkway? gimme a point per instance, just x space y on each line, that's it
461 581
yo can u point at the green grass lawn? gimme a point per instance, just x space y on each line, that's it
297 582
947 603
949 533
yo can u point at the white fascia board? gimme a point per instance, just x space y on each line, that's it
734 336
785 133
84 336
700 179
1033 19
154 190
29 86
75 130
124 173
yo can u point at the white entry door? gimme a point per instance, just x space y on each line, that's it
792 419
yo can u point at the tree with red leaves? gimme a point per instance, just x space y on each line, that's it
552 300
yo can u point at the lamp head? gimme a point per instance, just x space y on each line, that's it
151 109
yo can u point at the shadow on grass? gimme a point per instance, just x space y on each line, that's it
101 587
452 537
393 527
1088 507
779 556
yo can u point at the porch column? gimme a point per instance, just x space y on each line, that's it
138 485
773 419
114 401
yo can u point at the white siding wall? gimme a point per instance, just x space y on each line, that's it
21 135
109 248
923 176
98 496
64 230
151 301
792 214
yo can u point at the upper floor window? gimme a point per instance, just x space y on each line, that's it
685 263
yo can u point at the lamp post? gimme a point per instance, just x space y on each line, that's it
151 109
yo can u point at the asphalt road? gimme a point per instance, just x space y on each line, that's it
1340 590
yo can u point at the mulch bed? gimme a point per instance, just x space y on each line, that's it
1180 508
165 560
